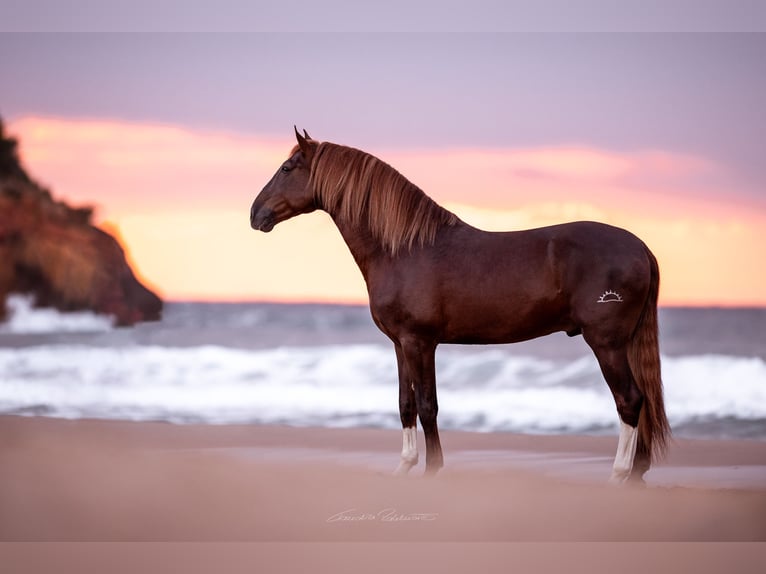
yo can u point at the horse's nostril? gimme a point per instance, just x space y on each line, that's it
254 217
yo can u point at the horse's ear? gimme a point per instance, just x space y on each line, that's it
305 133
307 147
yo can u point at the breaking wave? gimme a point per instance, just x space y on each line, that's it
356 385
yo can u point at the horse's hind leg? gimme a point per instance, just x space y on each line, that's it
628 398
408 413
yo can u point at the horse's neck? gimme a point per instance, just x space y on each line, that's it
363 246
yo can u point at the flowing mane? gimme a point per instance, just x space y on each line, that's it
356 186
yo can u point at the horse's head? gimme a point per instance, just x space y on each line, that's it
288 193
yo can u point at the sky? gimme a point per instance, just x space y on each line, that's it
172 135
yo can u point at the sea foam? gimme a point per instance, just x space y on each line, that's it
24 318
356 385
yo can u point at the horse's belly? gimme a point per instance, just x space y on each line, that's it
492 325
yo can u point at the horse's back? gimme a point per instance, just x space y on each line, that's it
475 286
564 254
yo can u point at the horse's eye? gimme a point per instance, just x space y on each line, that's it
286 168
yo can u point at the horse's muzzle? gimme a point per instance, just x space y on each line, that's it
262 219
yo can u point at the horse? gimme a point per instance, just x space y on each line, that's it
432 278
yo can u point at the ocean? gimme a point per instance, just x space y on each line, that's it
328 365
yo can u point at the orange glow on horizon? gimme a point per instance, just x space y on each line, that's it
179 200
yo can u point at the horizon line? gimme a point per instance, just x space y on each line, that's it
359 303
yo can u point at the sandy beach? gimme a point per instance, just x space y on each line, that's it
107 481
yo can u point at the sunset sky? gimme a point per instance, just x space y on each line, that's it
171 136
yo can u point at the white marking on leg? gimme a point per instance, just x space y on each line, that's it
409 450
626 452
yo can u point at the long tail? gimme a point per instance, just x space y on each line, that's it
644 359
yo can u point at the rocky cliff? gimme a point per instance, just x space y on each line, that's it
54 252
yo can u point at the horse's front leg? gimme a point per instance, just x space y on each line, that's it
419 365
408 413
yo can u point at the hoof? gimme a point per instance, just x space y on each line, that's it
618 479
404 467
626 480
432 471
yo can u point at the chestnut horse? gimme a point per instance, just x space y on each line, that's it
431 278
